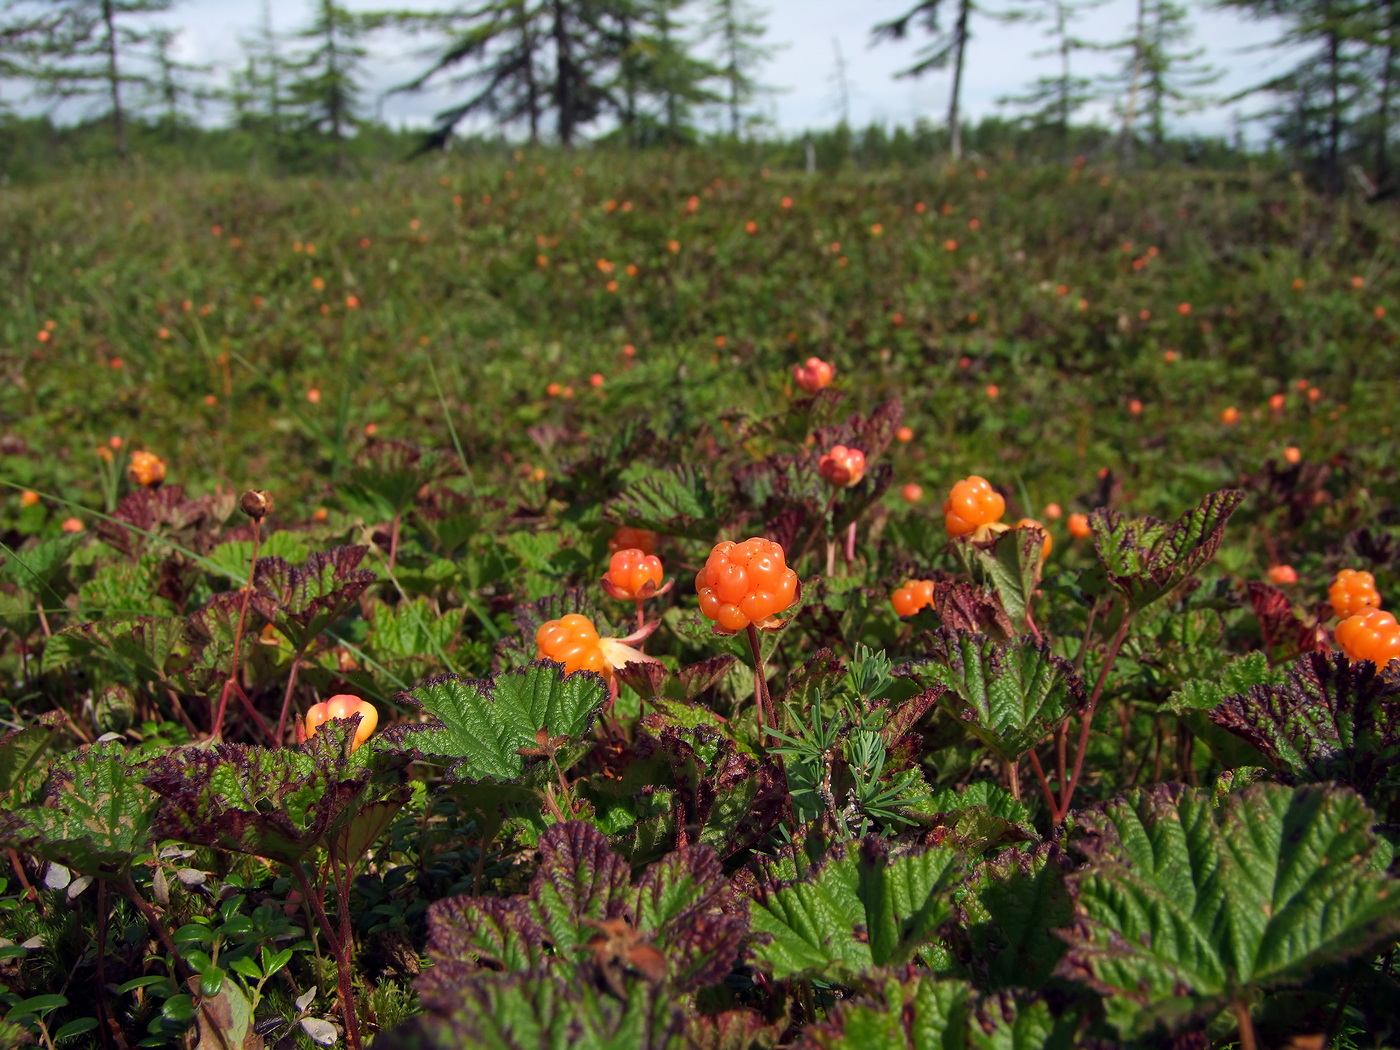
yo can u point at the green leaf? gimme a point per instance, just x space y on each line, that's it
78 1026
677 502
1150 560
859 910
483 725
98 816
304 602
1008 694
231 560
1185 908
1016 903
1013 565
22 769
1330 720
36 1005
278 804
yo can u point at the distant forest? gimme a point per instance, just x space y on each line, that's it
640 74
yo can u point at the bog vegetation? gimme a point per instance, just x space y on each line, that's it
516 605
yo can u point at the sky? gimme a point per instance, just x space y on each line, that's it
806 35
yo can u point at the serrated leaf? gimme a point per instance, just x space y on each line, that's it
97 817
1012 564
22 765
1150 560
274 803
1008 694
1238 676
1017 900
682 908
1185 908
304 602
678 501
1330 719
860 910
481 725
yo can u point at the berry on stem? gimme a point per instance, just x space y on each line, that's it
628 538
146 469
632 576
842 467
971 506
745 583
814 375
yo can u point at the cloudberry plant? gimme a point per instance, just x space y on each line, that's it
1370 635
842 467
1282 574
814 375
972 505
626 538
344 705
1352 592
1079 526
745 583
573 641
913 596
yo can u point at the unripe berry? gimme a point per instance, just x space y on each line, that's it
814 375
842 467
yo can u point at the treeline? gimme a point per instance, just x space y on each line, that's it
644 73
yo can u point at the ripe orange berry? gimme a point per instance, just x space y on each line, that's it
344 705
1031 522
1135 407
72 525
632 575
993 391
842 467
28 498
146 469
573 641
1353 591
1293 454
814 375
913 596
1169 356
1282 574
971 504
904 435
745 583
1230 416
1053 511
596 379
1370 635
912 493
627 537
1079 526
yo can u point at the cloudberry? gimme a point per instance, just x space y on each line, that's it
146 469
632 575
971 504
912 492
913 596
573 641
627 537
1282 574
1352 592
814 375
1079 526
745 583
344 705
842 467
1370 635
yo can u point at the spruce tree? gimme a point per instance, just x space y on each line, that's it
1053 100
737 29
947 46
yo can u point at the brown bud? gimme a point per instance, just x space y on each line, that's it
256 504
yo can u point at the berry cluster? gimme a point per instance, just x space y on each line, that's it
913 596
343 705
842 467
972 505
632 575
573 641
1353 592
815 375
745 583
1370 635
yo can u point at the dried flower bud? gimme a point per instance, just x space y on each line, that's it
256 504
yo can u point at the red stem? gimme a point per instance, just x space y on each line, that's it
1045 787
760 683
218 727
287 701
344 980
821 521
1087 719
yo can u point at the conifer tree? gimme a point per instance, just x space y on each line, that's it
947 46
1053 100
737 29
